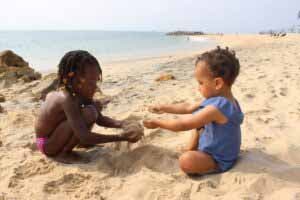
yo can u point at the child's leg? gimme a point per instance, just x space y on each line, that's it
63 139
192 144
58 139
90 120
192 162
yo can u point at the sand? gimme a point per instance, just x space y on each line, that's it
269 164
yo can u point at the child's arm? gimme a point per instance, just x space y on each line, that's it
81 131
180 108
205 116
108 122
104 120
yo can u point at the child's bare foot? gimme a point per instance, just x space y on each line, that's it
71 158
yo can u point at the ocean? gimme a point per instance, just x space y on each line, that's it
44 49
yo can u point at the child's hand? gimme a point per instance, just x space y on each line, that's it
150 124
156 109
132 131
131 136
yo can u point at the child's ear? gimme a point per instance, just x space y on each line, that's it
219 83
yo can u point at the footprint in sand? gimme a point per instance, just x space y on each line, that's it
261 76
249 96
259 185
273 91
264 139
283 91
239 180
258 112
206 184
67 183
33 168
265 120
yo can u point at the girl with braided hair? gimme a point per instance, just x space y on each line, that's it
67 115
215 122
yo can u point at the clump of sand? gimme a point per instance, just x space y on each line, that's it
134 128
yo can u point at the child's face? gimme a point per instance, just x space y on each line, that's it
87 83
208 85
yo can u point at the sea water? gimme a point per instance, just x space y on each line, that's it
44 49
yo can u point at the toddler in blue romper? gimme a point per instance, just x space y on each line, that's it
218 146
222 141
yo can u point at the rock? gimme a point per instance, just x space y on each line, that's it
2 98
179 33
13 68
165 77
9 59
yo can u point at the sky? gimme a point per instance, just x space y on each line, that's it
228 16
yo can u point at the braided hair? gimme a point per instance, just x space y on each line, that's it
222 63
73 63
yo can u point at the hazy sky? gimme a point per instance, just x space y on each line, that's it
158 15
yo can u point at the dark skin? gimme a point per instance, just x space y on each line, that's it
66 123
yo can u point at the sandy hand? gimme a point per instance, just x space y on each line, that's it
132 130
156 109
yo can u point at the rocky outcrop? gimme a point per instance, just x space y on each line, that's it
178 33
14 68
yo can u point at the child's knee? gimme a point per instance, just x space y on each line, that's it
185 162
90 114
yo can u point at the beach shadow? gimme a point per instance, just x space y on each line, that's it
258 162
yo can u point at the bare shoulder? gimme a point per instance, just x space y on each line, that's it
57 98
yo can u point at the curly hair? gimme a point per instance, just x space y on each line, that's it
73 63
222 63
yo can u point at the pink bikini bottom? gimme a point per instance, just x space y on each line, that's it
40 143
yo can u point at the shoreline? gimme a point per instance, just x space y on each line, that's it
177 54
